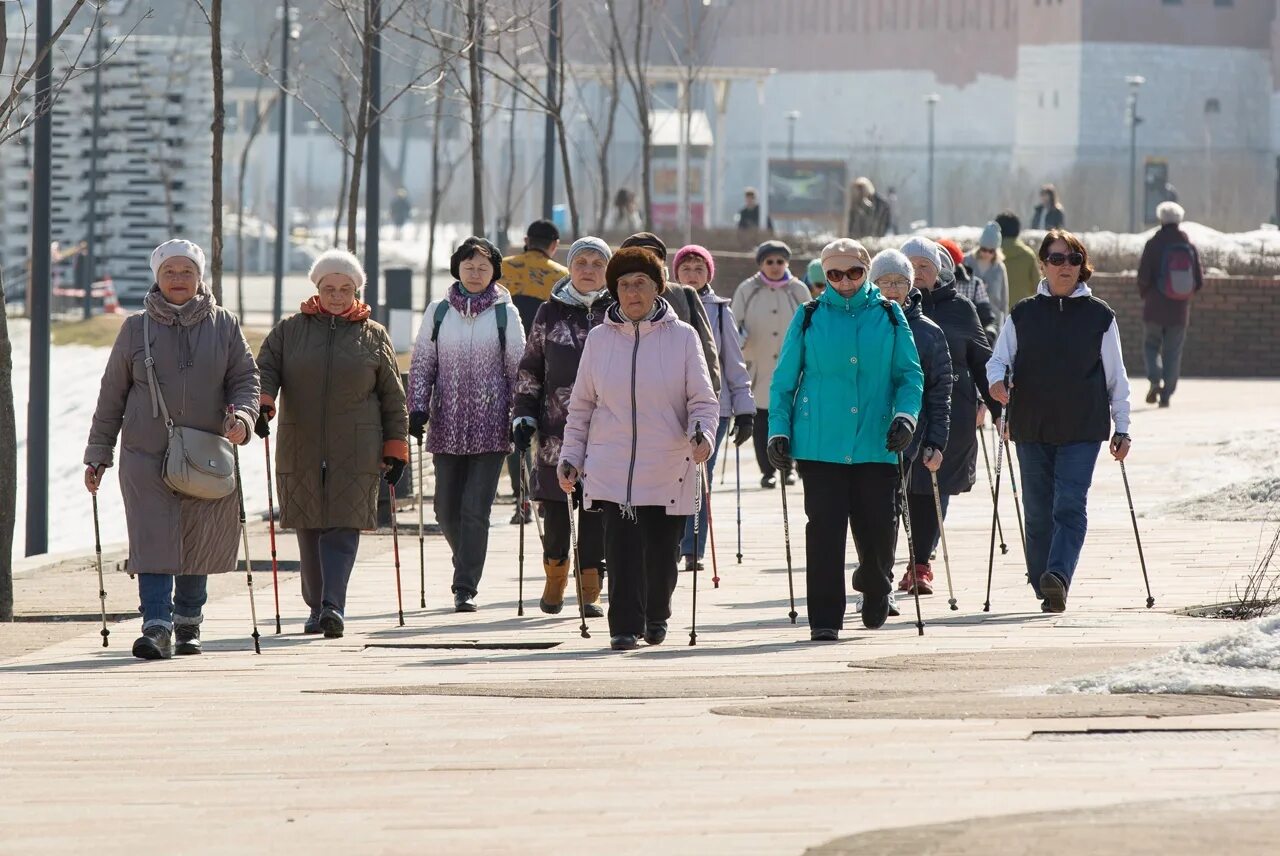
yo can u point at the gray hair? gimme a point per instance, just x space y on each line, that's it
1170 213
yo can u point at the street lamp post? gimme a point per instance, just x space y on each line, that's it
932 101
1135 82
90 240
282 165
793 116
38 287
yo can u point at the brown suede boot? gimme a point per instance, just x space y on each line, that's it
591 593
552 600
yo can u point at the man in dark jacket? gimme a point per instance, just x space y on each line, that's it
1168 276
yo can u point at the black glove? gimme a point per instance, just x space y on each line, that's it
417 423
899 437
395 469
262 428
522 435
743 427
779 451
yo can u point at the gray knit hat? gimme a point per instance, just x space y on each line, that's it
772 248
991 236
923 248
892 261
589 243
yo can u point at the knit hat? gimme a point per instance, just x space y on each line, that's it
649 241
891 261
468 248
923 248
953 249
844 253
947 273
634 260
991 235
178 248
815 274
587 244
772 248
695 250
337 261
1170 213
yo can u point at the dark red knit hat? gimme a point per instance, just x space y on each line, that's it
634 260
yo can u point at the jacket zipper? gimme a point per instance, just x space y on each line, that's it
324 421
628 509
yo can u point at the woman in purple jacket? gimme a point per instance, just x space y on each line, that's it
632 437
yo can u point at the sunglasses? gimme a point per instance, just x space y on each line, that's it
775 261
852 274
1060 259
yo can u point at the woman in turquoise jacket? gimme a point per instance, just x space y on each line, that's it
844 402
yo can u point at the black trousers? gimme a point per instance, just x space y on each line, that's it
760 437
642 565
862 498
556 543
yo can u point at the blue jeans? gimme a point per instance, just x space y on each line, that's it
168 599
1055 490
686 543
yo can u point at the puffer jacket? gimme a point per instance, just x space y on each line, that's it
1022 268
839 384
341 411
547 374
934 425
641 391
688 307
735 383
764 311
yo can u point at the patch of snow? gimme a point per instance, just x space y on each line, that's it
1244 663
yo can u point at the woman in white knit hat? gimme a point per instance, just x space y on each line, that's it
201 378
332 372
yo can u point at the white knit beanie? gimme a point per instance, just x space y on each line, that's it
923 248
177 248
892 261
337 261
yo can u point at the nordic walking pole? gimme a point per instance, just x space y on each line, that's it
577 562
711 531
786 539
102 589
1151 601
995 508
942 533
911 549
1017 506
698 437
271 524
737 454
520 500
991 485
244 534
395 549
422 543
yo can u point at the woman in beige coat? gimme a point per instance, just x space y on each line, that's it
208 382
343 425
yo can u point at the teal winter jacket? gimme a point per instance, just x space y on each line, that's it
839 384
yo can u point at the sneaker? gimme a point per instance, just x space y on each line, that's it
768 482
623 642
1055 592
463 602
789 478
331 623
920 575
1153 393
155 643
312 625
875 609
690 564
187 639
523 514
893 606
824 634
655 633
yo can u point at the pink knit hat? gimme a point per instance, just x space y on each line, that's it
695 250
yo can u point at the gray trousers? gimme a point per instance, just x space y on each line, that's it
1162 348
327 556
465 489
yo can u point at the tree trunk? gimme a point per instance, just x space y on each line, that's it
259 116
437 190
342 189
643 114
508 199
8 465
475 30
606 142
362 131
568 171
219 117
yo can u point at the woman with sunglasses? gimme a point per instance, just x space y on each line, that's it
764 306
970 349
1059 368
845 399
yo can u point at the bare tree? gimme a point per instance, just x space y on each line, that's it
603 128
261 110
636 67
475 104
213 17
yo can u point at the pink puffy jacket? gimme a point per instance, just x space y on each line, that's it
641 389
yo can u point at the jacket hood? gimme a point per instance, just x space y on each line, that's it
662 314
939 294
912 309
1082 290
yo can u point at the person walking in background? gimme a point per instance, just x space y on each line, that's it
1019 260
401 210
204 380
1059 368
815 278
764 305
869 212
1169 275
1048 214
986 262
548 370
844 403
641 394
462 381
626 217
967 285
343 426
695 268
749 216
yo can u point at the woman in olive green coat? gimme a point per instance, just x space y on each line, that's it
343 425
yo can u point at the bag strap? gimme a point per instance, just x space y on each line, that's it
500 314
158 409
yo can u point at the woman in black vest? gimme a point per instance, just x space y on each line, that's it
1058 366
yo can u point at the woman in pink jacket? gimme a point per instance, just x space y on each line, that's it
632 436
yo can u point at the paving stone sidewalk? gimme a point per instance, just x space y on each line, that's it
495 733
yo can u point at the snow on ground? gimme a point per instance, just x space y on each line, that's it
75 374
1243 663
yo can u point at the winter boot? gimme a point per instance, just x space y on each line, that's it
187 639
655 632
552 600
155 643
591 593
1153 393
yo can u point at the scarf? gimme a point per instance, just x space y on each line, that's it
571 295
195 310
774 283
355 313
472 305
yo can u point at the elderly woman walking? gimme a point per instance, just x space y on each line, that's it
547 373
462 381
764 305
632 437
182 363
987 264
343 424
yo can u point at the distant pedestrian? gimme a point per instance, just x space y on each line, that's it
462 381
400 210
815 278
1169 275
869 212
749 216
343 426
1048 214
1019 260
987 263
764 305
1062 351
204 381
968 286
626 216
